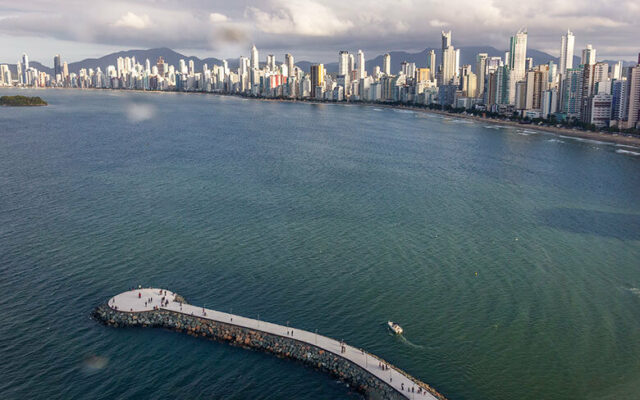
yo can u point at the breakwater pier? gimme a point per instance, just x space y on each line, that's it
155 307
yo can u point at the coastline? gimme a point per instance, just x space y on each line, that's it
615 139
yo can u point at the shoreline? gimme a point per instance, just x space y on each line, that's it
616 139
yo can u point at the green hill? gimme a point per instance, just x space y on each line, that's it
18 101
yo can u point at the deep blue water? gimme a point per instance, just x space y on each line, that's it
330 217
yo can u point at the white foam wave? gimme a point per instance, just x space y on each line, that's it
628 146
629 152
404 111
579 139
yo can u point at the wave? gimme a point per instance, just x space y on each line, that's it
404 111
627 146
579 139
629 152
555 141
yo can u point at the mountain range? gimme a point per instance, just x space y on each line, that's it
467 56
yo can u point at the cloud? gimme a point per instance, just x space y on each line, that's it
436 23
131 20
299 17
217 17
308 28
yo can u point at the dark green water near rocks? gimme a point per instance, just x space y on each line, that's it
336 218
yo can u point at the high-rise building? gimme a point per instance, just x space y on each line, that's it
588 55
162 70
362 70
271 62
448 63
616 70
566 52
288 60
386 64
620 101
343 63
598 110
431 64
535 86
57 67
518 54
469 82
423 74
529 64
255 61
572 92
317 78
481 70
633 118
24 64
5 75
446 39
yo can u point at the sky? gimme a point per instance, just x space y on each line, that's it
312 30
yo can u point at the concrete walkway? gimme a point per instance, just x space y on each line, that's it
139 300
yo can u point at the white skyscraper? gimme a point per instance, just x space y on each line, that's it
616 71
386 64
431 64
448 62
192 68
288 59
271 62
254 58
518 55
343 63
362 71
588 55
566 52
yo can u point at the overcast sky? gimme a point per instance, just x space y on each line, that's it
311 30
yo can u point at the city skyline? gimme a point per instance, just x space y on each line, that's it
314 30
593 95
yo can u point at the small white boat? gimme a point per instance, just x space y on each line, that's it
397 329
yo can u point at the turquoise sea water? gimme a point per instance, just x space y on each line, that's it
511 258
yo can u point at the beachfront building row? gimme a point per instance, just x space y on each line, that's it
592 92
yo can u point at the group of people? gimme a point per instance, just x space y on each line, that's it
290 333
383 366
413 389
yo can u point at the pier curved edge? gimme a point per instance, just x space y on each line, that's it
325 360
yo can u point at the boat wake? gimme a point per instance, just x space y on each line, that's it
408 342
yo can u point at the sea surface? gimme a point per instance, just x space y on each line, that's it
510 257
